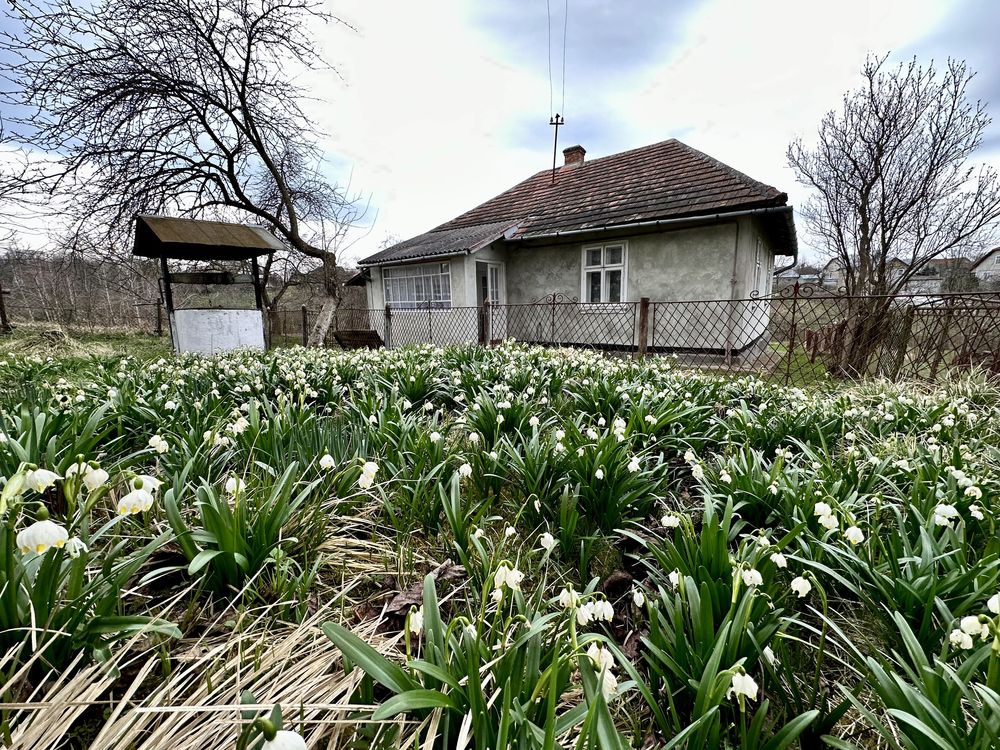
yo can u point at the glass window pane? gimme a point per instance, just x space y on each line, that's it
612 256
614 286
594 257
594 286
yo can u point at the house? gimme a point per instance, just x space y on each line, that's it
987 268
665 222
833 275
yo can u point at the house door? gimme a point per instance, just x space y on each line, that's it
490 286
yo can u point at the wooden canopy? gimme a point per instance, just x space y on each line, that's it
192 239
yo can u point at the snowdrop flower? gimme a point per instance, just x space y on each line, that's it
235 486
465 470
976 512
993 605
497 595
854 535
773 488
600 657
829 522
435 437
974 627
752 577
743 686
960 640
769 656
822 509
801 586
670 521
285 739
560 434
477 533
592 433
138 500
474 438
944 513
697 471
494 455
634 465
599 474
326 462
583 616
568 598
533 421
41 536
509 577
609 684
428 406
417 621
75 547
500 419
725 478
973 492
779 560
158 444
690 457
170 405
93 477
406 404
674 577
40 479
509 532
547 542
638 597
601 609
368 472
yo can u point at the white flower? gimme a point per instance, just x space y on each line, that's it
725 478
697 471
600 657
417 621
465 470
801 586
592 433
854 535
533 421
609 684
158 444
583 616
41 536
670 521
822 509
976 512
509 577
634 465
779 560
500 419
406 404
136 501
944 513
770 657
773 488
235 486
428 406
497 595
170 405
474 437
547 542
75 547
602 610
829 522
973 492
599 474
993 605
960 640
743 685
560 434
752 577
638 597
40 479
368 472
285 740
690 457
435 436
674 577
974 627
568 598
477 533
92 477
509 532
326 462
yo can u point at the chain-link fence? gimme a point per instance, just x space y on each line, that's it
800 334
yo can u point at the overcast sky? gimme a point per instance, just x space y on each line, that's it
438 106
445 104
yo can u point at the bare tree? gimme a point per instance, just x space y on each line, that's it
891 180
184 107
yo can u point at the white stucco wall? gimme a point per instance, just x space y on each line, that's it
215 331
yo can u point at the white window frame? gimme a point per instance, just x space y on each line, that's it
439 270
603 268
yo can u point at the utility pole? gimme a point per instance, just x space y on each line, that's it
557 121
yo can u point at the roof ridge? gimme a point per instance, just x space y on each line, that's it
742 176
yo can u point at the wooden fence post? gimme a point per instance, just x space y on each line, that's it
791 333
388 326
643 327
904 341
305 326
159 316
5 326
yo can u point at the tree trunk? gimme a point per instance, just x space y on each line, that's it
331 300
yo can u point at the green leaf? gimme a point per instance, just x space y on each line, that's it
371 661
202 559
413 700
790 732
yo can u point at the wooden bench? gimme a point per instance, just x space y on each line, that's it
360 339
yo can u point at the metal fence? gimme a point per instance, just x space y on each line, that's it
799 334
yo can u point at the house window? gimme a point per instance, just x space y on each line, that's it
418 287
603 273
996 259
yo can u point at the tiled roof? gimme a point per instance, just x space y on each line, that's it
662 181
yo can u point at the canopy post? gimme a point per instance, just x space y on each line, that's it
255 271
168 295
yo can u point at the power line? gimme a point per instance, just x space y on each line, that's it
565 27
548 26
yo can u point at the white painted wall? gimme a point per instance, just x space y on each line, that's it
215 331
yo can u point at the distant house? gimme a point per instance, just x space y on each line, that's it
664 221
834 276
987 268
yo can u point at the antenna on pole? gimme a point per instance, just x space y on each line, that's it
557 121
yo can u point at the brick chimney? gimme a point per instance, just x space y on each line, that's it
573 156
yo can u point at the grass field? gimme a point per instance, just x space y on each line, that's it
489 548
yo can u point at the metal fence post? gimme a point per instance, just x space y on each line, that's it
388 325
791 333
305 326
159 317
643 326
430 331
484 322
